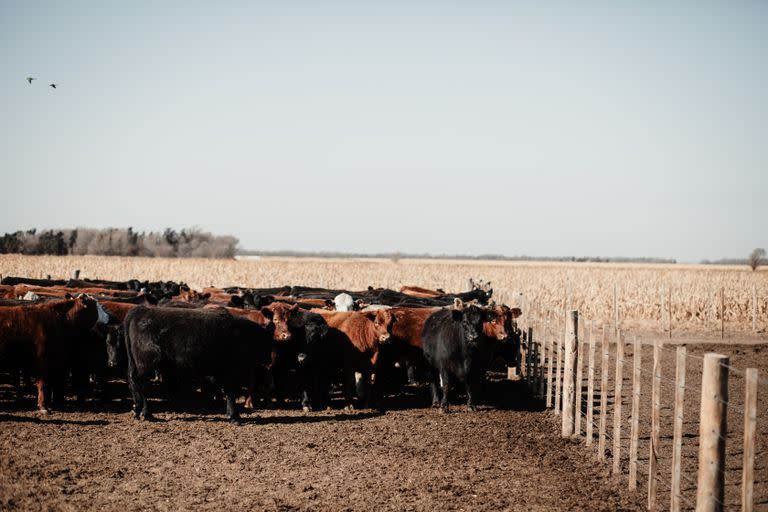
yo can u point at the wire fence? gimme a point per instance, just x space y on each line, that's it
640 406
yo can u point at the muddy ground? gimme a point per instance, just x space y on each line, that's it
505 457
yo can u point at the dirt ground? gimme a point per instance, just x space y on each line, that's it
506 457
742 356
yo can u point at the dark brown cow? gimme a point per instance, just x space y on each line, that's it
360 336
41 339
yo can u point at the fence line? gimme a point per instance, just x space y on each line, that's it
713 436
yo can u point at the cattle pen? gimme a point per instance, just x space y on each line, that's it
615 361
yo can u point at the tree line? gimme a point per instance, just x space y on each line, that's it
187 243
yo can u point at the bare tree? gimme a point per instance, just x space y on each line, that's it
756 258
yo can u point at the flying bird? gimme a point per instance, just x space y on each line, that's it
53 85
30 78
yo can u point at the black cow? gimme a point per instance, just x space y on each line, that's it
454 344
314 357
184 344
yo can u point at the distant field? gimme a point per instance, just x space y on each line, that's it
539 287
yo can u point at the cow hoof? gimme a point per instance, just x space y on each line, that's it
471 408
306 408
235 421
444 410
435 405
146 417
350 407
44 411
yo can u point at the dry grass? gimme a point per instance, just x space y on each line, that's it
538 287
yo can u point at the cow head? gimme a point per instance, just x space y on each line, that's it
471 318
194 297
314 334
382 319
495 323
281 315
86 311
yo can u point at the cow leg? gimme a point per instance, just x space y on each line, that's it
145 414
138 387
232 413
43 396
434 385
251 389
470 395
445 385
56 385
349 388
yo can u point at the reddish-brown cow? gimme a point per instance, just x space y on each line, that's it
40 338
360 336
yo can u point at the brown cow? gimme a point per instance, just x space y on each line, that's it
41 338
360 336
61 291
424 293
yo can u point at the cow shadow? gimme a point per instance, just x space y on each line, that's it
48 420
283 419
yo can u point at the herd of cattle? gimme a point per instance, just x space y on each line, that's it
271 344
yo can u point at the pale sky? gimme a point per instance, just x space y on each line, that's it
540 128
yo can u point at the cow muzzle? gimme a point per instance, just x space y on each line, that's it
285 336
384 337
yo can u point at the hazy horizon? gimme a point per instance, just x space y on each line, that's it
632 130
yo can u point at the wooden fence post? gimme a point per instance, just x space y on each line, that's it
616 308
549 367
590 388
655 427
569 373
578 387
542 362
677 439
617 405
558 373
534 365
603 398
637 354
528 350
713 429
750 427
661 310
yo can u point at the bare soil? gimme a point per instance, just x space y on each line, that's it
742 356
505 457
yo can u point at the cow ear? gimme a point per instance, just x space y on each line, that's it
294 308
371 315
330 304
516 312
267 313
206 296
68 296
458 304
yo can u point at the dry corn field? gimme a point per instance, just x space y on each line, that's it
644 291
